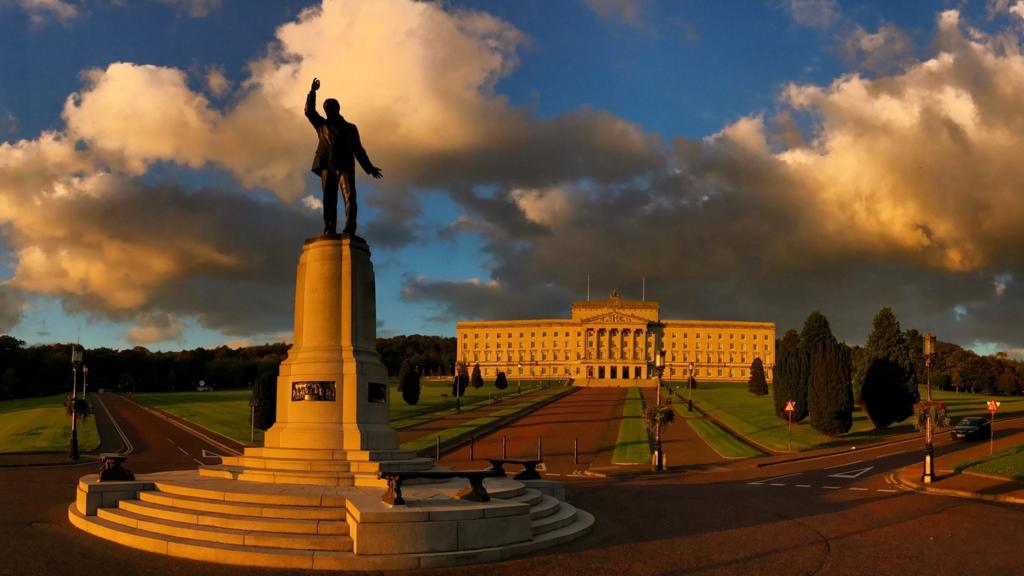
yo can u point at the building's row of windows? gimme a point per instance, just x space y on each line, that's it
555 334
610 372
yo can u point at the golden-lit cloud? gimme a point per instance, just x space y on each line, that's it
153 329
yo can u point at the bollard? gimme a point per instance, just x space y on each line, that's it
437 449
504 447
472 440
540 448
575 450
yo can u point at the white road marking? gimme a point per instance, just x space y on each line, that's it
775 478
844 465
832 487
885 490
208 454
198 462
776 484
803 485
851 474
858 488
182 450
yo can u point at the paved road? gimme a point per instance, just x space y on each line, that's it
590 415
742 519
480 410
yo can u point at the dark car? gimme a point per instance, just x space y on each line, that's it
972 428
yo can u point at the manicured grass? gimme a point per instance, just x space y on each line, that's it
754 417
436 400
1006 463
42 425
227 411
633 445
224 411
467 427
725 444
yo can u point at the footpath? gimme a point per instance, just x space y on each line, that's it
968 484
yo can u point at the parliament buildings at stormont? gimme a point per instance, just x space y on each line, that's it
613 342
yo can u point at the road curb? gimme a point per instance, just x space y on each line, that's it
897 480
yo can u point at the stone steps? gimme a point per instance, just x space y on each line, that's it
219 520
274 476
223 553
243 509
230 491
546 507
222 535
564 516
527 495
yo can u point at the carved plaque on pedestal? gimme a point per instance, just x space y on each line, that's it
319 390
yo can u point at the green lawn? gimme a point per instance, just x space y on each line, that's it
467 427
755 418
227 411
633 445
1006 463
42 425
224 411
725 444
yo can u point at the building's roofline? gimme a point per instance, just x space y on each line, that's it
719 323
615 303
497 323
569 322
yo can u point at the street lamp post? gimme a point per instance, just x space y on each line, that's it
85 381
928 476
689 384
458 388
659 370
519 380
76 361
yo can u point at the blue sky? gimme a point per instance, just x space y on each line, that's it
680 127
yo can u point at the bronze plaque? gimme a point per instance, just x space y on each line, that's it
378 393
319 390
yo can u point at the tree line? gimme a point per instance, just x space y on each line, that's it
826 379
45 369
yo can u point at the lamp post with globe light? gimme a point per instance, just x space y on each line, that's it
76 362
928 476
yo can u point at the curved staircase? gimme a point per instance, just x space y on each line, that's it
315 526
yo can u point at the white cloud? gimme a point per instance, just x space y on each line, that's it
216 82
195 8
629 12
155 328
814 13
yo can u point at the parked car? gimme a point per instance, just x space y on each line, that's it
972 428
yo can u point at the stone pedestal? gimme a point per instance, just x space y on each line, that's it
332 390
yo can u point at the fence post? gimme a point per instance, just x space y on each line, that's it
437 449
540 447
504 447
472 440
576 450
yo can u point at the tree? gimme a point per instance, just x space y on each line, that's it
829 391
409 383
887 342
884 402
1006 383
501 382
758 384
264 395
460 382
476 380
790 382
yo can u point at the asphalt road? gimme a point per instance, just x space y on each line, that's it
835 515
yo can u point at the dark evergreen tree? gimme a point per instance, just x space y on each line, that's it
460 382
476 381
757 384
409 382
884 401
790 377
264 395
501 382
829 391
887 342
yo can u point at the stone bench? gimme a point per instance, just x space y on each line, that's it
529 471
474 492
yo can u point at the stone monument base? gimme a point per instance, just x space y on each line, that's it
328 527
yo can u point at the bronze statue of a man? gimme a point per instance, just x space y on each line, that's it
338 144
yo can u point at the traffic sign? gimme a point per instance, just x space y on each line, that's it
790 406
993 406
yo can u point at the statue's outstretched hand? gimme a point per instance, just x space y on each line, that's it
316 85
376 173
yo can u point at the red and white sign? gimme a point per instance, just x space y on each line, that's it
790 406
993 406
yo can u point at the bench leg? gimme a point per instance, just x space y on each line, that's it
475 492
498 467
394 494
529 472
